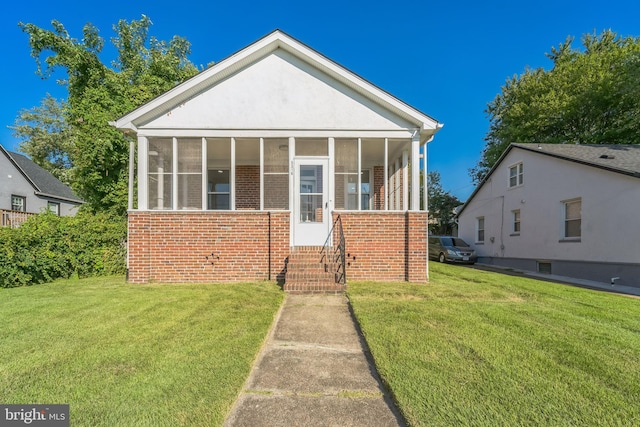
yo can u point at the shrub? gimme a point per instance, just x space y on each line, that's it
48 247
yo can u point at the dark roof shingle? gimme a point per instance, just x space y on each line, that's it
43 180
624 158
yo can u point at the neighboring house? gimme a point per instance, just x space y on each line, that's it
255 158
568 210
26 188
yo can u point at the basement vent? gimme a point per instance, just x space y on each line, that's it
544 267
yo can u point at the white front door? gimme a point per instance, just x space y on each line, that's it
311 207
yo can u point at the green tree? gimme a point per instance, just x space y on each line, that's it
591 95
441 206
145 68
46 137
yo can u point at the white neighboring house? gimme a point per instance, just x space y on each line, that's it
568 210
26 188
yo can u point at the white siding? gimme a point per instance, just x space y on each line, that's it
279 92
610 205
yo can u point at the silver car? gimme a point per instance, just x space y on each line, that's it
451 249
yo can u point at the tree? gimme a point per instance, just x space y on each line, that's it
98 94
46 137
441 206
589 96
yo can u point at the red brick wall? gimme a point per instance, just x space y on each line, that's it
209 246
378 188
385 245
227 246
247 187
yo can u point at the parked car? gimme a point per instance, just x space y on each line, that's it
451 249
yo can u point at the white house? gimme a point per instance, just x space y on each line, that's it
568 210
271 151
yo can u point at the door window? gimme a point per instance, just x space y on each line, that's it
311 188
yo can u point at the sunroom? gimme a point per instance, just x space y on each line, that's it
310 177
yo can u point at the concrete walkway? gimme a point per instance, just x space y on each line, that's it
313 371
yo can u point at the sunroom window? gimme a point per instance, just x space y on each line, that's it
160 173
190 174
219 174
276 173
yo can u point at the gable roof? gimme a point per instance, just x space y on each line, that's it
42 181
265 46
622 158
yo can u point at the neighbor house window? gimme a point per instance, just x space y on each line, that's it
219 189
516 221
480 229
516 175
54 208
18 203
365 191
572 219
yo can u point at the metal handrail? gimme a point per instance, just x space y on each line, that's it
336 254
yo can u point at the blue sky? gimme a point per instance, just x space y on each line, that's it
447 59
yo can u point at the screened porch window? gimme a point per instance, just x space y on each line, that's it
359 168
190 174
276 174
218 189
219 173
160 158
346 174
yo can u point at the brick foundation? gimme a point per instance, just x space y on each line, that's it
211 246
228 246
385 245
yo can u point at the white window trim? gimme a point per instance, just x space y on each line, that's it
484 230
24 203
519 166
563 220
515 232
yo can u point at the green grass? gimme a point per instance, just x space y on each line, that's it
480 348
132 355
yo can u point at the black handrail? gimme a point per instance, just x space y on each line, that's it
336 254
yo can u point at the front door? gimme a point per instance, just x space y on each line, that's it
311 209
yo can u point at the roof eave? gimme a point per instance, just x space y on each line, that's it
62 198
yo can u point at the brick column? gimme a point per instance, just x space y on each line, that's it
417 246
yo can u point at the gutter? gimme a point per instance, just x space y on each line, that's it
53 196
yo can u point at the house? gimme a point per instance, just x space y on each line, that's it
568 210
268 154
26 189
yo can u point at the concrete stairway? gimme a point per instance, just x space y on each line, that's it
309 271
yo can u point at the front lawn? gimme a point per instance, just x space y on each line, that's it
480 348
132 355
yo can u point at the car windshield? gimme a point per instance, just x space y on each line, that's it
454 241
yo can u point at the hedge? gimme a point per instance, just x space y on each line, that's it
48 247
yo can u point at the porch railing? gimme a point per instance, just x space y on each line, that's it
335 255
13 219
